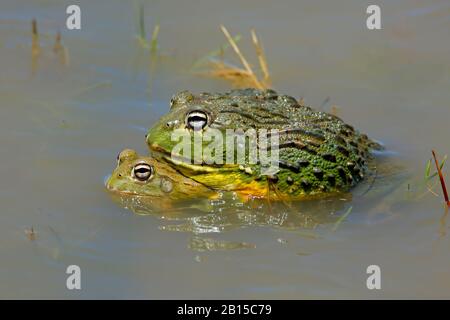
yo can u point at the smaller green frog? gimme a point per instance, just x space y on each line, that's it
148 177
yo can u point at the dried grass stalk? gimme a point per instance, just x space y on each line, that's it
240 77
261 57
61 51
35 47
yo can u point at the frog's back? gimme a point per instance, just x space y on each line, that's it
318 152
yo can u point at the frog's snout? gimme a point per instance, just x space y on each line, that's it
106 180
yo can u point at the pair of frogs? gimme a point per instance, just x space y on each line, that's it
318 153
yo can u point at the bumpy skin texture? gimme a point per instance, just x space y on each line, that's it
319 153
163 181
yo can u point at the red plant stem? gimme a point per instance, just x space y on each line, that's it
441 177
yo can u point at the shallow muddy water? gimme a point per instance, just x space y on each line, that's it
61 127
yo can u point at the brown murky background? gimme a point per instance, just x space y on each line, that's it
61 128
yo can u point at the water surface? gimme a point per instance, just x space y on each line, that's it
62 127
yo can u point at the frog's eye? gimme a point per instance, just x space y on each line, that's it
142 172
196 120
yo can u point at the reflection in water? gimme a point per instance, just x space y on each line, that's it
228 212
208 244
443 224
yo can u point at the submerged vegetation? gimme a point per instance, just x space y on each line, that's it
151 44
35 47
146 46
341 219
30 233
59 50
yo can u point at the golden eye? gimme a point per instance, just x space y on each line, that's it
196 120
142 172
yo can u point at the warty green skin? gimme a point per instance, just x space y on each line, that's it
319 153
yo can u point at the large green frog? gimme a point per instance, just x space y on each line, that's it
319 154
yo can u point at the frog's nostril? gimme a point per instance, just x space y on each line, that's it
172 124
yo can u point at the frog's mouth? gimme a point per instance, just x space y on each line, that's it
156 148
185 164
161 153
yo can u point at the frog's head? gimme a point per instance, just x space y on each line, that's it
237 109
136 175
187 113
146 176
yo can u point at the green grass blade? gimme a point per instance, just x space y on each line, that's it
428 169
142 22
443 162
154 41
341 219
